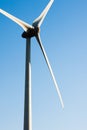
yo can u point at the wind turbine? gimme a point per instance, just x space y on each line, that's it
29 32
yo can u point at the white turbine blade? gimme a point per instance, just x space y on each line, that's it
38 21
24 25
50 69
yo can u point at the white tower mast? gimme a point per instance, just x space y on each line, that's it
32 31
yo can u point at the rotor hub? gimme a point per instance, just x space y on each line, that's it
31 32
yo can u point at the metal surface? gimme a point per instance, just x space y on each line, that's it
30 31
21 23
28 102
50 69
38 21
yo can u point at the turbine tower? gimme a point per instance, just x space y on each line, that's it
29 32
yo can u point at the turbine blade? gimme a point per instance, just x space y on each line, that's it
24 25
38 21
50 69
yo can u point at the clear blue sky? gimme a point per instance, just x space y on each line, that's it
64 36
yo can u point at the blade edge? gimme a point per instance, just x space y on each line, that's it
38 21
50 69
23 24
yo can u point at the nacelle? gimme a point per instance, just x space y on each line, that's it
31 32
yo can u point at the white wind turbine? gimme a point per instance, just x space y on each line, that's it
29 32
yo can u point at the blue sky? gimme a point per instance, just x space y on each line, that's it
64 37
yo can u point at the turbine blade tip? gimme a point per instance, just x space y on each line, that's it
63 106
